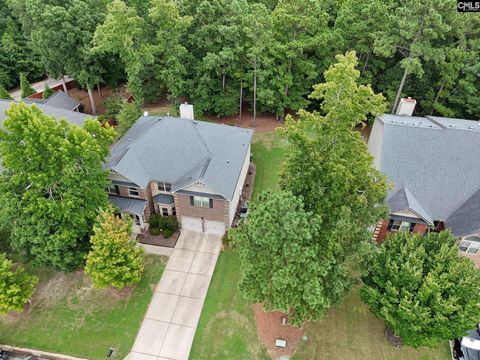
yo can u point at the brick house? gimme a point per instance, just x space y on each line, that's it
194 170
434 165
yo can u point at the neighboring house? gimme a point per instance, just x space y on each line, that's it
58 100
57 112
194 170
434 165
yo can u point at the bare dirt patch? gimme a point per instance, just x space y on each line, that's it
98 97
270 328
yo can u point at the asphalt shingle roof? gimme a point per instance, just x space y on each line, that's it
124 204
58 100
164 199
182 152
71 116
438 161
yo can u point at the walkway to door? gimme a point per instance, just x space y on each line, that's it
169 326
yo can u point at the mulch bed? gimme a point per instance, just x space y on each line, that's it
270 328
249 179
158 240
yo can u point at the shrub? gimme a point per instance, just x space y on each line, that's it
155 220
27 90
168 222
114 260
4 93
167 233
154 230
113 105
16 286
47 92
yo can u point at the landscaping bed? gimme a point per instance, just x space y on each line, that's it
68 316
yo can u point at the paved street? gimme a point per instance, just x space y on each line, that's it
169 326
38 86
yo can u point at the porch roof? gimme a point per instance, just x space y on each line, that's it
164 199
124 204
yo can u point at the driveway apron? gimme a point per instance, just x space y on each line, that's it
169 326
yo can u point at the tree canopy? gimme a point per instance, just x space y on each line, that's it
328 163
423 288
287 262
52 185
16 286
114 259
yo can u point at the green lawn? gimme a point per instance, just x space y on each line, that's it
352 332
227 325
268 152
68 316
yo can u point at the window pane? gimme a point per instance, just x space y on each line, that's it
464 245
168 187
472 250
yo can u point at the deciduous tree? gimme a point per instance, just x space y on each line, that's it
115 259
53 184
288 263
16 286
424 290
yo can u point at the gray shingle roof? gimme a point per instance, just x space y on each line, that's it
134 206
403 199
71 116
182 152
437 160
164 199
58 100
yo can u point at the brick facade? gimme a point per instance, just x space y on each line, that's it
219 211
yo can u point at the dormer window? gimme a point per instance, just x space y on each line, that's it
163 186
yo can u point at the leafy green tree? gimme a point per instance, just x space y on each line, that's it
47 92
288 263
299 28
342 100
328 163
424 290
53 184
128 115
62 35
417 25
115 259
16 286
27 90
4 93
216 45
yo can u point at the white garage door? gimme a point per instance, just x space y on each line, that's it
191 223
214 227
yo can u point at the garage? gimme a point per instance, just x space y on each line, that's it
191 223
214 227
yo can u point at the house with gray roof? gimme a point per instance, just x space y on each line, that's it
434 165
194 170
58 100
74 117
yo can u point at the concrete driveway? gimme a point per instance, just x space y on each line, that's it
169 326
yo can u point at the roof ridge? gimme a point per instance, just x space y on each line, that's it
429 118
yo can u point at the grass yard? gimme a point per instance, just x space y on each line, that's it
227 327
268 153
352 332
68 316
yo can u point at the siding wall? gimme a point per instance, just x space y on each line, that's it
238 191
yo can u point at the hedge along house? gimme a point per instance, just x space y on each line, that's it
434 165
194 170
